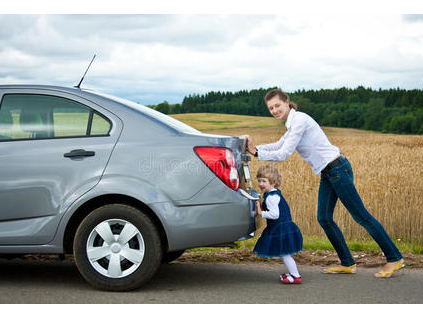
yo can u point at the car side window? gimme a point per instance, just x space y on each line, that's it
30 116
100 126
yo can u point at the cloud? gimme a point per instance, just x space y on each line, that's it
151 58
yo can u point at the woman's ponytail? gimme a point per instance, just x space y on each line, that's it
292 105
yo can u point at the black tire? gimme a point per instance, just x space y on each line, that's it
171 256
145 244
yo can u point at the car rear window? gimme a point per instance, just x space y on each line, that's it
165 119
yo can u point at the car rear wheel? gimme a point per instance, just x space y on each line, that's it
117 248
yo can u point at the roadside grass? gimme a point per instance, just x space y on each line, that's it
314 243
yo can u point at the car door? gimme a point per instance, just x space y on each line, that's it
54 147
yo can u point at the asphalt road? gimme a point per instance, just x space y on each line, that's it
41 281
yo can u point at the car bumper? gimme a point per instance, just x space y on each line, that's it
211 217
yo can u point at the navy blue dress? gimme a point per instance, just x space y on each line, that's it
281 236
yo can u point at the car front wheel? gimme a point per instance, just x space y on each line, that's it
117 248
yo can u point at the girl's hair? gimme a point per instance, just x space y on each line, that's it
282 96
270 173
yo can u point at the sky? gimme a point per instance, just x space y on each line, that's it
150 58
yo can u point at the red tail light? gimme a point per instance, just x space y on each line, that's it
222 162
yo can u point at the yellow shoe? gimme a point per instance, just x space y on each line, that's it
388 273
339 269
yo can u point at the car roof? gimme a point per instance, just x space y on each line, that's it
72 89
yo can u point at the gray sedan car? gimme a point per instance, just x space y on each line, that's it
121 186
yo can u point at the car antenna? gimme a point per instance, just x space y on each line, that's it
80 82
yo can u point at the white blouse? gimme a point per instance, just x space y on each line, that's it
305 136
272 204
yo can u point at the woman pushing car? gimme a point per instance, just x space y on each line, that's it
336 181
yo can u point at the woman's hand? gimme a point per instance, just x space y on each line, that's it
258 208
251 147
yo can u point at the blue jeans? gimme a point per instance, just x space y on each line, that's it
336 183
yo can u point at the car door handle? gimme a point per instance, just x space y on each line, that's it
79 153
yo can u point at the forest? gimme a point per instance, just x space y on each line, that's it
386 110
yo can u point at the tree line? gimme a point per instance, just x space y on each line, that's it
389 110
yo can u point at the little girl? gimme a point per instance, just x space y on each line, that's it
281 237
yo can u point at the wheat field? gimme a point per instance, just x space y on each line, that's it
388 174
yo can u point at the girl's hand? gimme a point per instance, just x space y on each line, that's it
258 208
